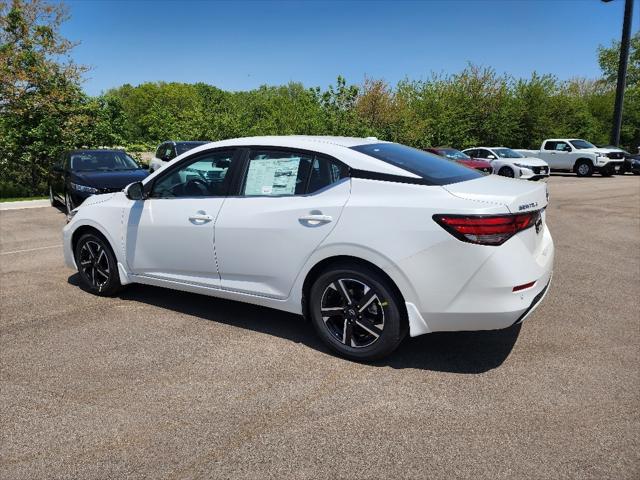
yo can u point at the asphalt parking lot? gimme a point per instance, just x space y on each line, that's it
164 384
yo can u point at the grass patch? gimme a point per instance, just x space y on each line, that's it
19 199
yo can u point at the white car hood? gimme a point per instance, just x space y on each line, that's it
516 195
534 162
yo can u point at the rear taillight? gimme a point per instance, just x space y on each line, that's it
486 229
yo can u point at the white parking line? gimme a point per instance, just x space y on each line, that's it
30 249
24 204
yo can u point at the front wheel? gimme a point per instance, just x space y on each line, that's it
356 312
584 169
506 172
97 265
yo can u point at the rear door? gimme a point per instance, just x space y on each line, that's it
288 202
170 234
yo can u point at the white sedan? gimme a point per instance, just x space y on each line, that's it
367 239
509 163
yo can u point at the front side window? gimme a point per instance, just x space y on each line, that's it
482 153
562 147
433 169
182 147
205 176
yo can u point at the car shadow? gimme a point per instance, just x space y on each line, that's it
454 352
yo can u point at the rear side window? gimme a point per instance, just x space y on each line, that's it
550 145
433 169
278 173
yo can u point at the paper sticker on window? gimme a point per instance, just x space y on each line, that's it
272 176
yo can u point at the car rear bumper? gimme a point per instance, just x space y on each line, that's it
485 299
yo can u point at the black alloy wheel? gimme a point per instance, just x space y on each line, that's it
97 265
356 312
506 172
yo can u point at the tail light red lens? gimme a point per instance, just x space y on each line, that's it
486 229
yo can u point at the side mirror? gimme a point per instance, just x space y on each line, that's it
57 168
134 191
567 148
491 157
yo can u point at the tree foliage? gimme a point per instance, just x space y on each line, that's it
44 110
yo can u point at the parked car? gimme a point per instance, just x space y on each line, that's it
579 156
82 173
369 239
167 151
509 163
631 160
462 158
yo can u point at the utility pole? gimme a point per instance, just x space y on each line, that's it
622 71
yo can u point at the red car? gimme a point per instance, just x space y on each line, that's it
463 158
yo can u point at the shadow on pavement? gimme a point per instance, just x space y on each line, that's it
455 352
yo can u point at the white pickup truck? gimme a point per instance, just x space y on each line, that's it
579 156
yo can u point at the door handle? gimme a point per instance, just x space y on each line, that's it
200 218
316 219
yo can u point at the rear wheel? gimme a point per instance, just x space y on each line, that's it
97 265
584 169
356 312
506 172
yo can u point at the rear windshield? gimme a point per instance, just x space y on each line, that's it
432 168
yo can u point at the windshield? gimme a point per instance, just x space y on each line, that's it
102 161
580 144
507 153
453 154
182 147
432 168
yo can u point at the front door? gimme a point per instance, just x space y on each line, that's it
289 202
558 155
170 234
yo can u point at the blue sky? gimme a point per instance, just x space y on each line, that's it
242 45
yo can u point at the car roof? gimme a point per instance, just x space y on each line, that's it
337 147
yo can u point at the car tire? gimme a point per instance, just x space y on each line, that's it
506 172
97 265
357 312
584 168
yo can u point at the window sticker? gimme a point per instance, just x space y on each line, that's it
272 176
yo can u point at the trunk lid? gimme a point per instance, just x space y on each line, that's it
517 195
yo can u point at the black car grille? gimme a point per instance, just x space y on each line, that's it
540 170
615 155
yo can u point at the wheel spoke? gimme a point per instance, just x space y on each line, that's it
347 332
369 296
100 255
104 274
93 276
369 327
343 292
